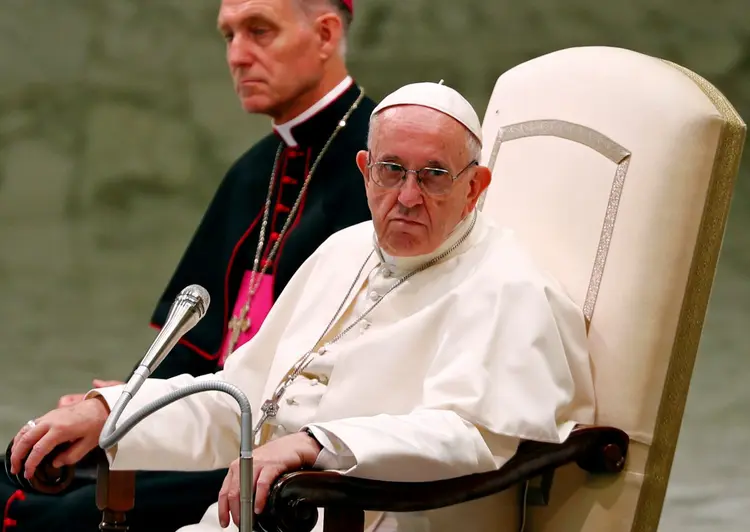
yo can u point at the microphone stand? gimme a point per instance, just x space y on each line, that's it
189 307
111 435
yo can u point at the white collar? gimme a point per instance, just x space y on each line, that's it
405 264
285 129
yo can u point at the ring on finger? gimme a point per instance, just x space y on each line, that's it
31 423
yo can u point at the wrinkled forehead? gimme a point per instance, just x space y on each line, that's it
238 12
414 112
417 128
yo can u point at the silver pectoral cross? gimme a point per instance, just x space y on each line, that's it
237 326
269 410
270 407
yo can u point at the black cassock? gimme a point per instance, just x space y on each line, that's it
220 253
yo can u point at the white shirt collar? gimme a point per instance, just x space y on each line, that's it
285 129
405 264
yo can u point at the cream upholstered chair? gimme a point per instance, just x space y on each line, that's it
616 169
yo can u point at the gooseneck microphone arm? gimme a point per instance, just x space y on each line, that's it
110 437
189 307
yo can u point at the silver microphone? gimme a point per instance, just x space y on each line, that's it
188 308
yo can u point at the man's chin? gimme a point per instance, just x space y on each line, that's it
255 104
404 244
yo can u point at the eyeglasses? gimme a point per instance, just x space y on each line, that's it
433 181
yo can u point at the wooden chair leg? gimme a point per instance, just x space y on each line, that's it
343 520
115 496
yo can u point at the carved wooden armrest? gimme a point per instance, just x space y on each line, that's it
295 497
115 490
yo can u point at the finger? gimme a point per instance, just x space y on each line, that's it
98 383
23 444
23 430
73 454
71 399
266 479
233 498
224 501
41 448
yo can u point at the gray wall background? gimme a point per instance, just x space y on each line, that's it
117 121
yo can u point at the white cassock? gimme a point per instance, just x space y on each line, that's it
442 379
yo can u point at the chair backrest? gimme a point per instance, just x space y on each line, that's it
616 169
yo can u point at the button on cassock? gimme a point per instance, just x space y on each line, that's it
314 380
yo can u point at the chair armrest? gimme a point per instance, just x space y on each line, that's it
115 495
49 480
295 497
115 490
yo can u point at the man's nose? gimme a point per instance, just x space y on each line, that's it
410 194
239 52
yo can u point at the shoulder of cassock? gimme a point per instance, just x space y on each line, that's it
495 255
517 327
341 252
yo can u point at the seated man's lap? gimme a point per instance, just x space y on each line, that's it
165 501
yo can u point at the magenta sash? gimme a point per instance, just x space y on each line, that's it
259 309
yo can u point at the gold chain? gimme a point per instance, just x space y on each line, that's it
241 323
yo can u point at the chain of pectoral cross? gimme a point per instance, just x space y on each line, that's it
240 324
270 407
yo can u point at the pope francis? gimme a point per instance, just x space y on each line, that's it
422 345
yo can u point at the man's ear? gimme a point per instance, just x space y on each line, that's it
330 32
480 180
362 156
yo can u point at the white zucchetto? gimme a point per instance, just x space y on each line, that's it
435 96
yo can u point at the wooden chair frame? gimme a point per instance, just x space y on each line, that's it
295 497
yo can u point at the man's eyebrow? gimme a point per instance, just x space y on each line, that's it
247 20
389 157
434 163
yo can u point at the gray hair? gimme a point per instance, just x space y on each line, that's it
315 7
473 147
473 144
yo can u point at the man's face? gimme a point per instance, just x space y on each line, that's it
409 221
273 52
